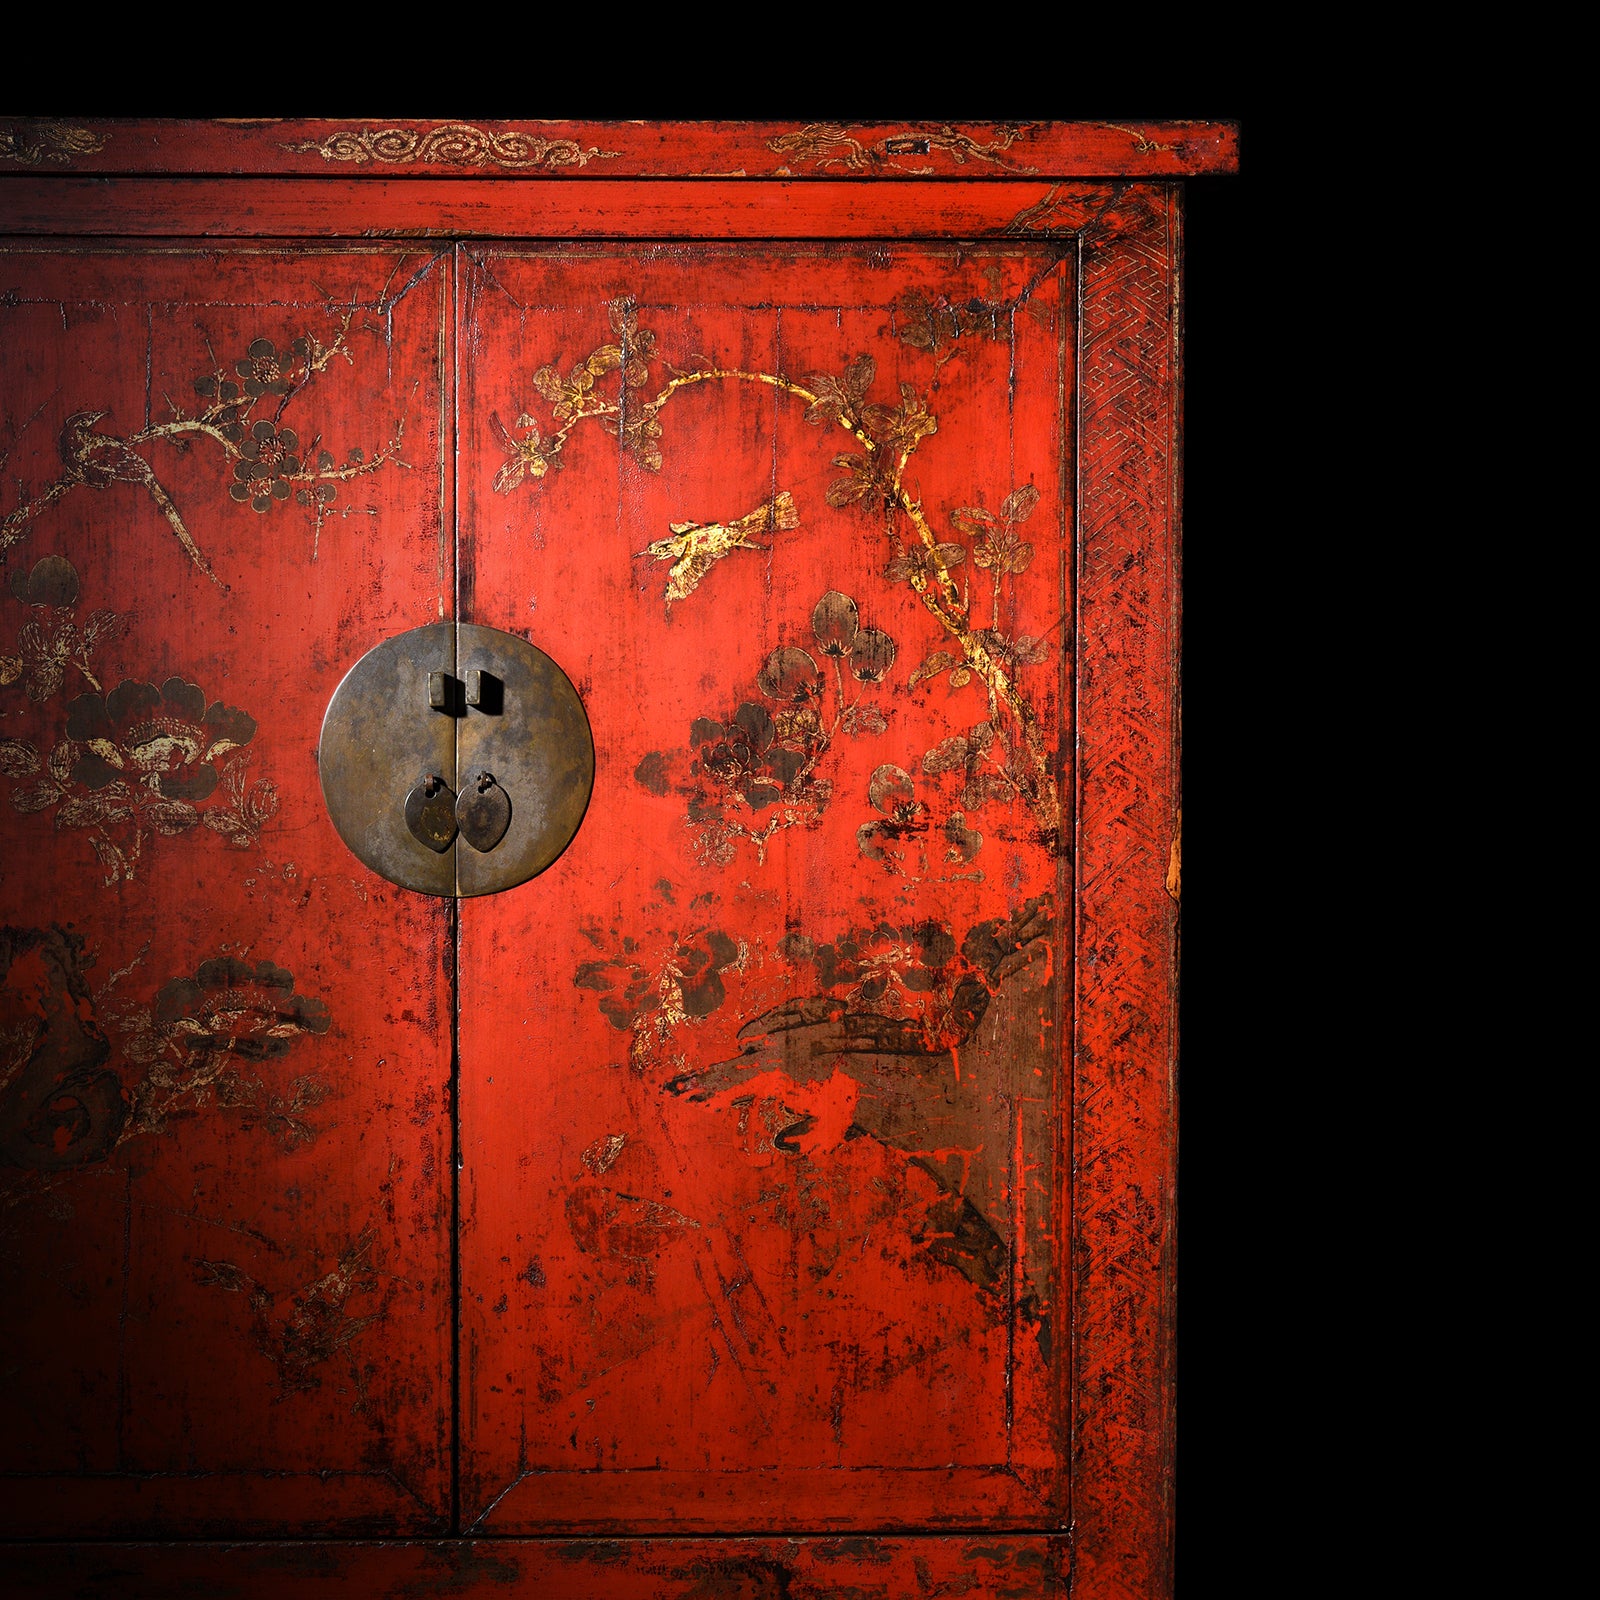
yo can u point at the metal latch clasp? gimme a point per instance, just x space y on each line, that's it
501 720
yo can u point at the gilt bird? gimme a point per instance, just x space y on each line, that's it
102 459
96 458
696 547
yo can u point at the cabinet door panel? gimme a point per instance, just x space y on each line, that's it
224 1127
761 1087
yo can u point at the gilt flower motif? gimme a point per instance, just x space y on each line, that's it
270 458
165 739
240 1008
264 371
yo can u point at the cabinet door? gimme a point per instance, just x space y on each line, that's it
224 1045
762 1084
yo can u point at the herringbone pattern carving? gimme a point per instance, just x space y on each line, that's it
1127 781
1128 795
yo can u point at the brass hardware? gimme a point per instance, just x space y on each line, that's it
531 732
484 813
377 736
431 813
514 726
485 692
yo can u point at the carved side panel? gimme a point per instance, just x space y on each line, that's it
1123 1091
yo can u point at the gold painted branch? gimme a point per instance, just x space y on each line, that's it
943 600
885 435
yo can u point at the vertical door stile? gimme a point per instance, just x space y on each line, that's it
453 523
1072 477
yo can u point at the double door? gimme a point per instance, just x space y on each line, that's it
713 1182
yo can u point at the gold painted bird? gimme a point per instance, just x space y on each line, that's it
525 451
696 547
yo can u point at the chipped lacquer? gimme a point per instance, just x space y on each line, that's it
773 1196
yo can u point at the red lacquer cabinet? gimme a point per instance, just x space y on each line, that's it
774 1196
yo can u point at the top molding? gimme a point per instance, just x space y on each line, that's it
410 147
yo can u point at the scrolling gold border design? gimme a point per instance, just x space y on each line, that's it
33 142
831 144
454 144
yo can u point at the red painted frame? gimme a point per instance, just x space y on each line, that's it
1126 777
428 147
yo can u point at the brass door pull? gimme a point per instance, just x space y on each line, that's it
431 813
483 813
456 701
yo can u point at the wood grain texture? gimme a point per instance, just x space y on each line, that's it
427 147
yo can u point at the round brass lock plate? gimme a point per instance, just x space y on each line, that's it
465 716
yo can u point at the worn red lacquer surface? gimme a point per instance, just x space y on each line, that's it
431 147
790 1166
1025 1567
227 1047
759 1082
